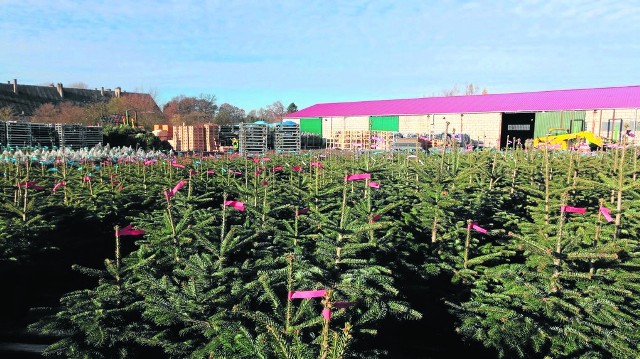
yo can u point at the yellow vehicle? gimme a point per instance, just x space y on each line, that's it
561 137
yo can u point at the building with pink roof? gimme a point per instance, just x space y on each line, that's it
491 119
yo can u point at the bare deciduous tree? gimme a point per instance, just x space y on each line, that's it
470 89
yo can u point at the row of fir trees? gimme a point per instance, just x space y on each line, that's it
529 253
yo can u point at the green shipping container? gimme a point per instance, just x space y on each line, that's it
311 125
569 120
384 123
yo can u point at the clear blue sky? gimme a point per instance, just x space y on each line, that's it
252 53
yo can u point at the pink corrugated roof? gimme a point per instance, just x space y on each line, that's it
580 99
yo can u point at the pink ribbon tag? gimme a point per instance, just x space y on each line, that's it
326 313
177 165
374 185
296 168
58 185
307 294
169 194
31 185
606 212
478 228
570 209
26 184
342 305
278 168
316 164
266 159
235 204
177 187
210 172
302 211
375 218
255 160
358 176
86 179
128 231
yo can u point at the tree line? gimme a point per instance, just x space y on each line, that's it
188 110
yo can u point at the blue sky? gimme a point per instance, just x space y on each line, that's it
253 53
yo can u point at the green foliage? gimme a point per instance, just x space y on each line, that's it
126 136
207 280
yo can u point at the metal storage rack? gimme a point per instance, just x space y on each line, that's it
227 133
3 133
93 136
287 137
253 138
18 134
71 135
43 134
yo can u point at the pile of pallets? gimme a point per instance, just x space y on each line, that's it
93 136
18 133
211 137
188 138
204 138
71 135
3 133
286 137
44 135
382 140
361 140
253 138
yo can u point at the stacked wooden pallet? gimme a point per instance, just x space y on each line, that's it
211 137
196 138
18 133
361 140
382 140
350 140
287 137
3 133
71 135
93 136
253 138
44 134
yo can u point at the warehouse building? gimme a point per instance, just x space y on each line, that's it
491 119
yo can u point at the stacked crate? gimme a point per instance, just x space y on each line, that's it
287 137
93 136
3 133
211 137
167 135
71 135
351 140
253 138
382 140
188 138
43 134
18 134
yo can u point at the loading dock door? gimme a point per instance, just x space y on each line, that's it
518 126
573 121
